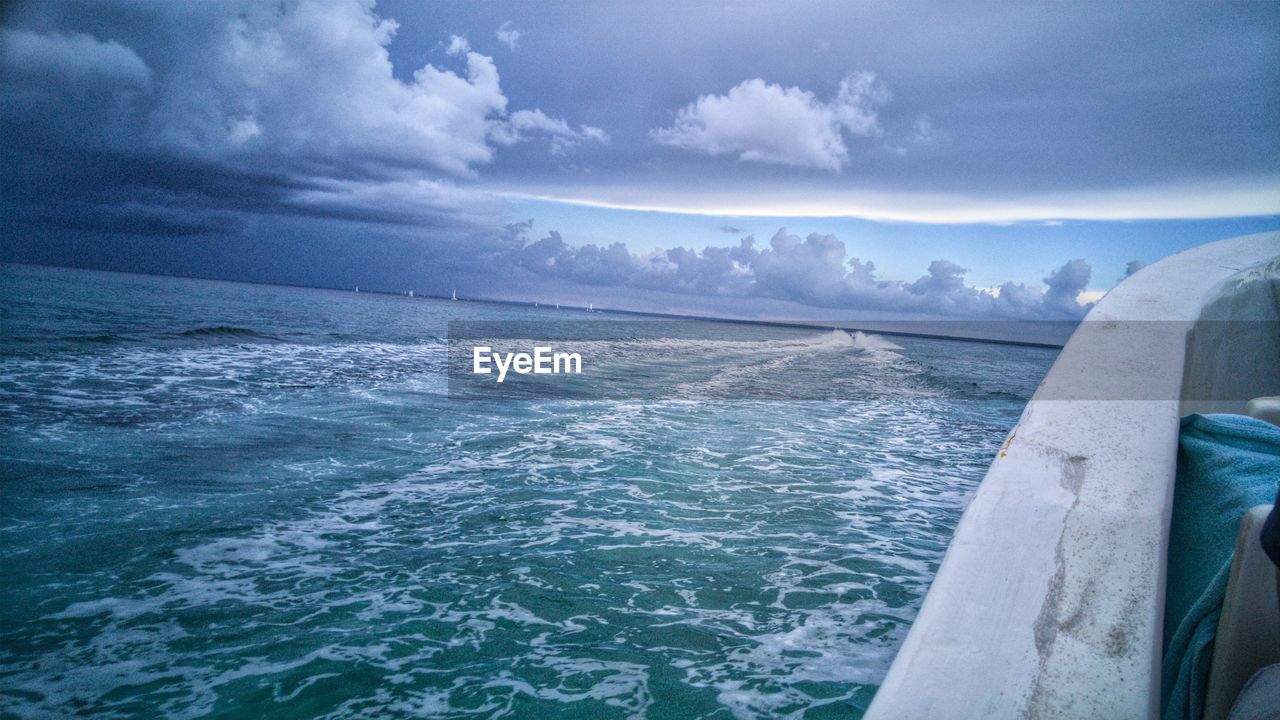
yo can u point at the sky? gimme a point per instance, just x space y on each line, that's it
764 159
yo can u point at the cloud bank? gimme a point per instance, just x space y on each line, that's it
815 270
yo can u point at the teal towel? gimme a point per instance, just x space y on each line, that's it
1226 465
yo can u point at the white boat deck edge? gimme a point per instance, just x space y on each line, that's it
1049 601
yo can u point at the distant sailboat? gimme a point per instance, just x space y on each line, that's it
410 293
591 308
557 306
357 288
455 294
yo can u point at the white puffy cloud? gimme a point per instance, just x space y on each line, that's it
523 124
1065 285
764 122
856 102
313 84
508 35
458 45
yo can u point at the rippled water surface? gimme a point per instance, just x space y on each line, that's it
250 501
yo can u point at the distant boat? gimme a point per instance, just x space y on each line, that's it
557 306
535 303
357 288
410 293
591 308
455 294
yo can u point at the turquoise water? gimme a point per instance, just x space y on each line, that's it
242 501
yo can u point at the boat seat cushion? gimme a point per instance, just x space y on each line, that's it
1226 465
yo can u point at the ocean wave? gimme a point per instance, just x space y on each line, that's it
571 558
148 383
219 524
229 332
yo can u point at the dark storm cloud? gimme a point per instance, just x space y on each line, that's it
983 100
288 108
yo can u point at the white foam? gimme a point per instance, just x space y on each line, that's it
863 341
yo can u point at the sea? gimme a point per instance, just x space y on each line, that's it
233 500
